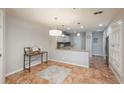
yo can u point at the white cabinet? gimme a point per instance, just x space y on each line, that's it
60 39
63 39
66 38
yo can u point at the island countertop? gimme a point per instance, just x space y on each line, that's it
72 49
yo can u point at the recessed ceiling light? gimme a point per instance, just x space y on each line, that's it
81 26
78 34
100 24
63 35
68 28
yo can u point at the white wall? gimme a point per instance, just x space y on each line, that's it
122 35
104 43
83 40
89 42
20 34
78 42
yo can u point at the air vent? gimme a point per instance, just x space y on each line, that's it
78 23
98 12
74 8
62 25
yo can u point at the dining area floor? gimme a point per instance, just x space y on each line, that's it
97 73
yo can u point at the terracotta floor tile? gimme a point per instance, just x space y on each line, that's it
98 73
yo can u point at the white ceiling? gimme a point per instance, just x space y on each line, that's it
68 17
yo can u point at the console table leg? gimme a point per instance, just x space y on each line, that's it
46 57
41 58
24 62
29 62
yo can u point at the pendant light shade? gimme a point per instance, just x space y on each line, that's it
55 32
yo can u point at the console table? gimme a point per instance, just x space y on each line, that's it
29 55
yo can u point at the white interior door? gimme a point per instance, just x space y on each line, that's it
114 50
1 46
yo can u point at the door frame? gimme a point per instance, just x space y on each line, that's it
3 64
107 50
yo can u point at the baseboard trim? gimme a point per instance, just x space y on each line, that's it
18 70
8 74
69 63
97 55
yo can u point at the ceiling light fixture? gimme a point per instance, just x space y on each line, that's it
78 34
82 27
100 24
55 32
63 35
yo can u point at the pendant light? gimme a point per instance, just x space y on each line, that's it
55 32
78 34
63 30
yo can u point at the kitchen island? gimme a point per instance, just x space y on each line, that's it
71 56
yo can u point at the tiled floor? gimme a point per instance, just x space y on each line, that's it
98 73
